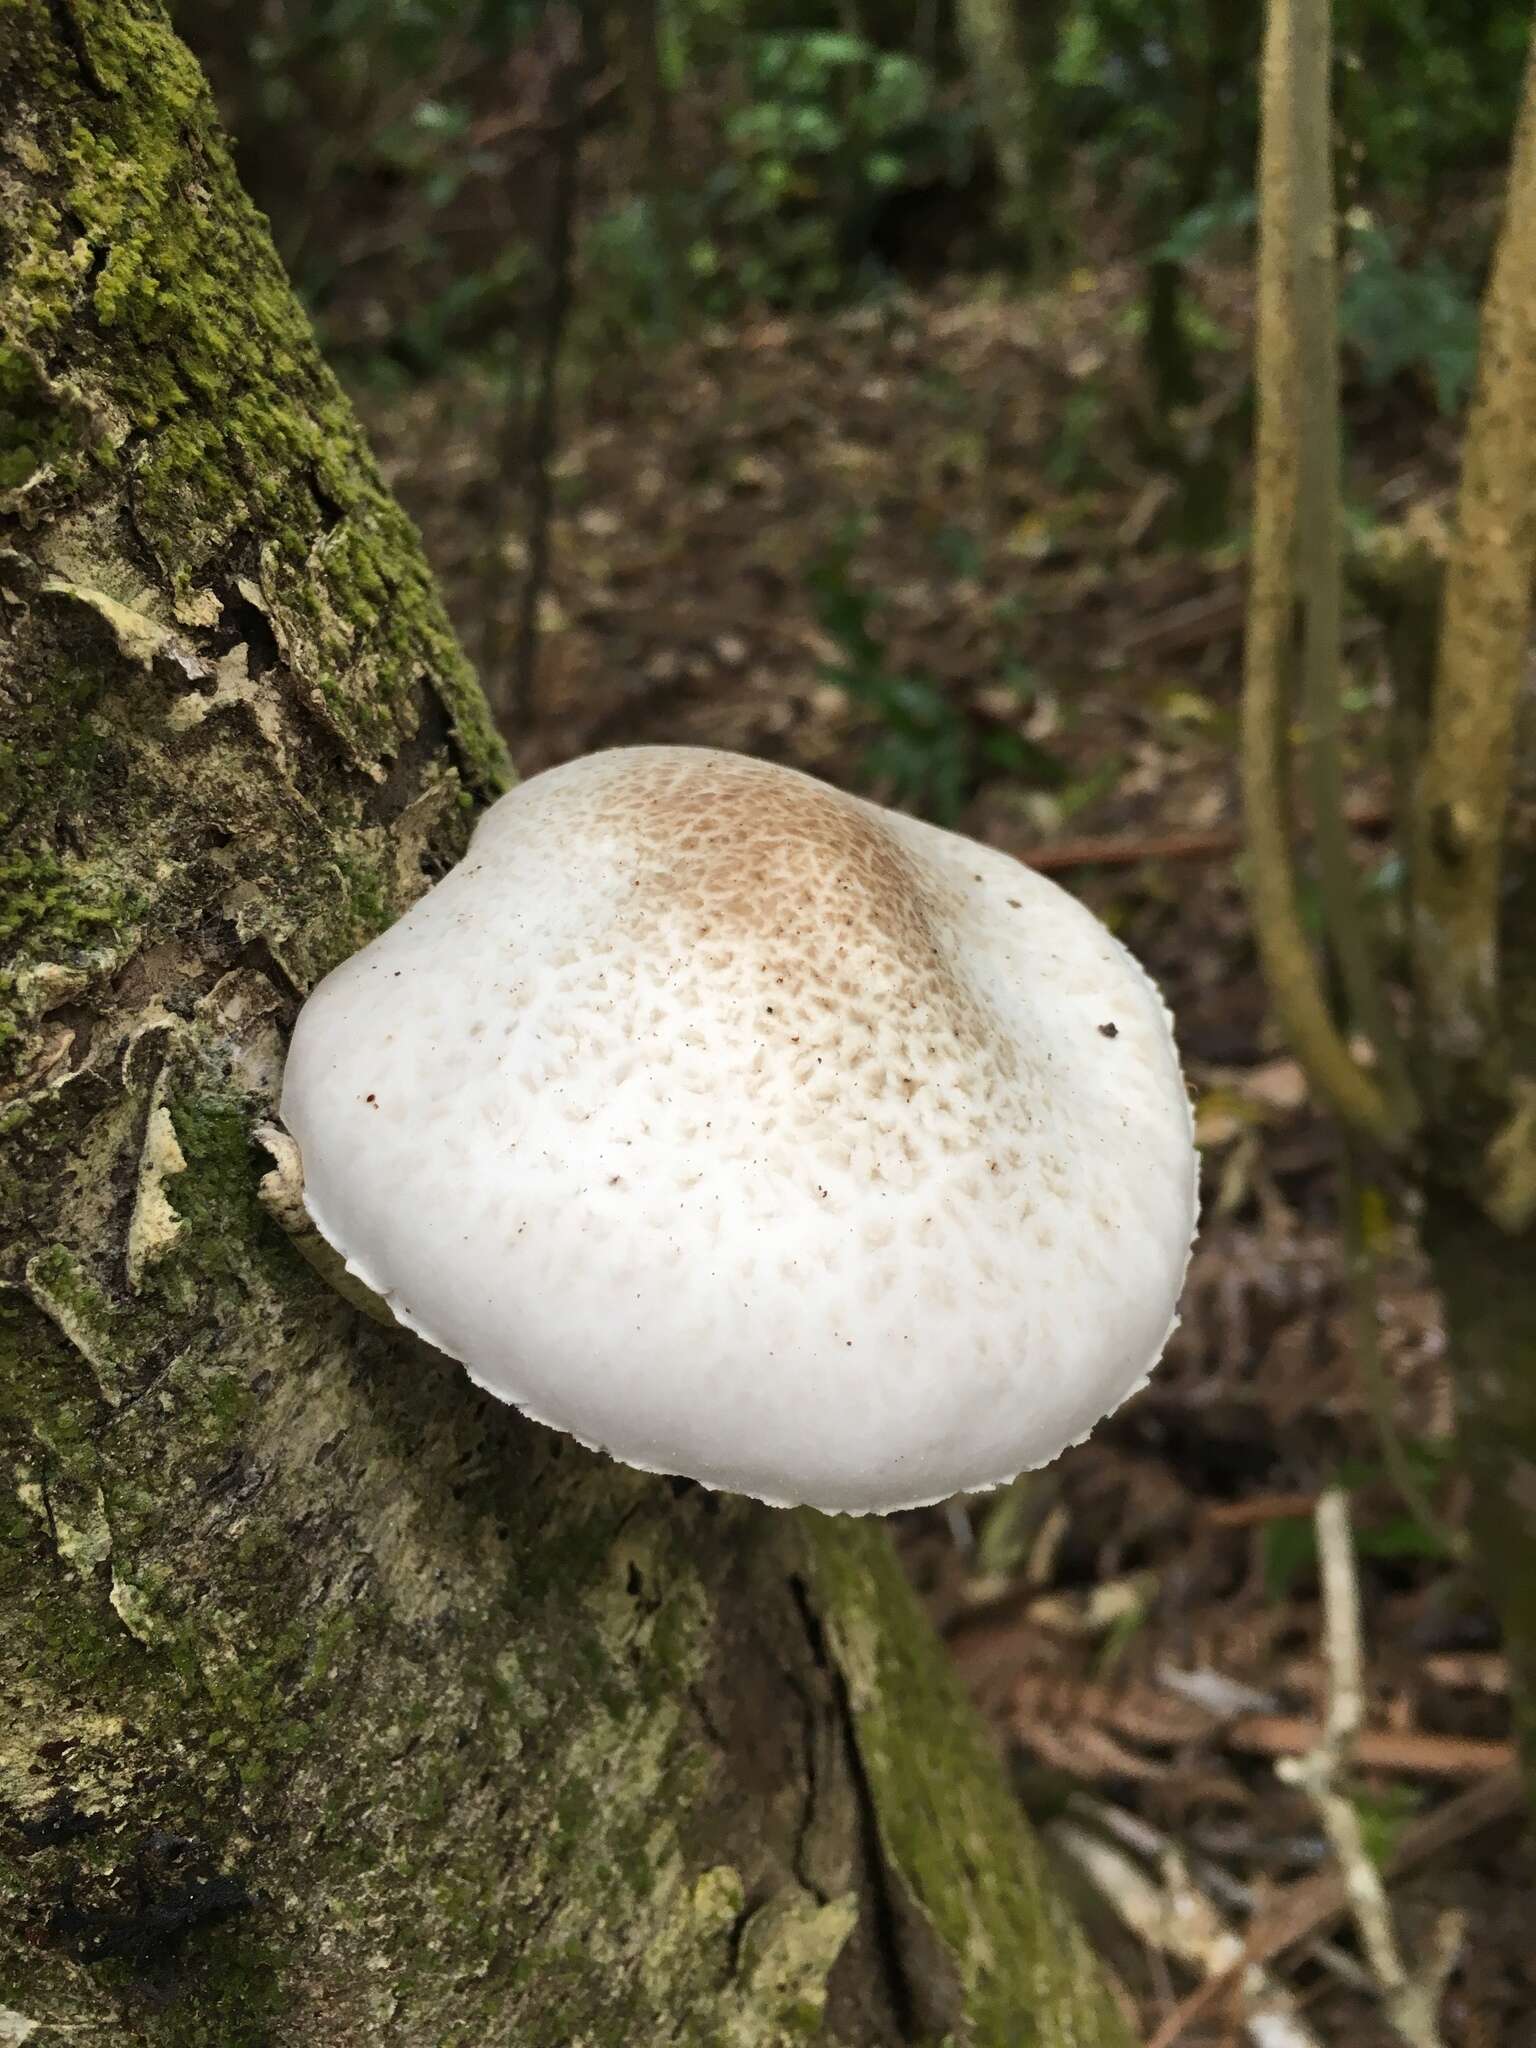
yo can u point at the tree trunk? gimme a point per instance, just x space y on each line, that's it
1480 1156
1487 1282
341 1705
1472 919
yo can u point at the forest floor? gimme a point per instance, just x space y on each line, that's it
924 549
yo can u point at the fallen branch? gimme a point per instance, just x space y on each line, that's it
1411 1754
1257 1510
1410 1997
1364 814
1178 1918
1315 1905
1138 1835
1318 1903
1193 623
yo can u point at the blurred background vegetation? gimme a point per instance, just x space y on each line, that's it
743 154
869 386
537 197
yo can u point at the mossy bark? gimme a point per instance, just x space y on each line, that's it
338 1705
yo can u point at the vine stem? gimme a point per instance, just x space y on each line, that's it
1290 968
1319 538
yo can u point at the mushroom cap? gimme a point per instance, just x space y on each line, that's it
748 1131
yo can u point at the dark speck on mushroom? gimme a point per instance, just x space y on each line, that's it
1109 1031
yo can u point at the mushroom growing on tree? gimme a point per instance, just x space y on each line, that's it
748 1131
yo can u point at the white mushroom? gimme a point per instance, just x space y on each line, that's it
748 1131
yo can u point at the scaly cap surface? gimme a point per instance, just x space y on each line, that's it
746 1130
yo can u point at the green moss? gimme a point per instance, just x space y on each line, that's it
58 1623
369 888
55 746
65 914
230 1404
35 429
82 1309
574 1813
950 1827
48 910
202 353
216 1197
224 1988
58 908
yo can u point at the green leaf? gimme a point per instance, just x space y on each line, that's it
1203 224
1398 317
959 550
1289 1550
1026 759
1401 1537
1383 1816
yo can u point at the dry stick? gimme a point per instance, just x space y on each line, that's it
1194 623
1313 1905
1257 1509
1132 1832
1464 783
1411 1999
1408 1752
1113 851
1319 532
1177 1918
1289 966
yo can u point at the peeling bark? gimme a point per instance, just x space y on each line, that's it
338 1704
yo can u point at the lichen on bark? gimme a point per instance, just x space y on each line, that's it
338 1704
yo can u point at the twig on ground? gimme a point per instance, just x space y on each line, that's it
1410 1752
1229 1893
1177 1919
1193 623
1258 1508
1311 1906
1411 1999
1317 1902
